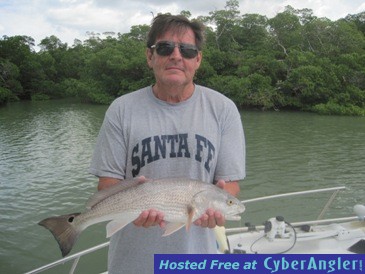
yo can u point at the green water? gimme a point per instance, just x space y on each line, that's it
45 149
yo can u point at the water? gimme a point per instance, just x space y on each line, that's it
45 150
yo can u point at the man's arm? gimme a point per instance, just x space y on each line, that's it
105 182
232 188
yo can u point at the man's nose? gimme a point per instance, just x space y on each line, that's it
176 54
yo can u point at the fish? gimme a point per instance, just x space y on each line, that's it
182 201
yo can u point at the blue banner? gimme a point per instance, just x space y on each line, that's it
259 263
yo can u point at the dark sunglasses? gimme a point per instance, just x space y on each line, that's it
166 48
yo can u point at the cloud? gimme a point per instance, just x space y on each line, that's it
71 19
360 8
84 16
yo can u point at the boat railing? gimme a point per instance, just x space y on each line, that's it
335 189
76 257
319 220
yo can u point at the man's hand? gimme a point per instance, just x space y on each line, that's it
149 218
212 218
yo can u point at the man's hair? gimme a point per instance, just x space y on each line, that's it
165 22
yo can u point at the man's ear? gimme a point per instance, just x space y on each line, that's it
199 59
149 56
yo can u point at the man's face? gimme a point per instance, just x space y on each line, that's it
174 70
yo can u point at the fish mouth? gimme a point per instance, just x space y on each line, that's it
233 218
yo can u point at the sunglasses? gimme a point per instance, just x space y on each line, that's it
166 48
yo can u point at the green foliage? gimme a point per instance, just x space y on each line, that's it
293 60
88 91
5 95
261 94
308 85
332 108
9 81
40 97
231 86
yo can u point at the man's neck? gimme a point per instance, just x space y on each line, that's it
173 94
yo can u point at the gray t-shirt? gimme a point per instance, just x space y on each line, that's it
200 138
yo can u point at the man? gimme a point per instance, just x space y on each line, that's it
171 129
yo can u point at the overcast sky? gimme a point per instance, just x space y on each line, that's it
70 19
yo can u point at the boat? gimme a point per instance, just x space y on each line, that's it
345 235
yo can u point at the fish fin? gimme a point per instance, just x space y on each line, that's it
63 229
172 228
114 189
191 213
116 225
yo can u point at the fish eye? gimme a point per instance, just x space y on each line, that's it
229 202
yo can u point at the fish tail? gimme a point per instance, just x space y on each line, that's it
64 230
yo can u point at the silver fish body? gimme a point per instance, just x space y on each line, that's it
181 200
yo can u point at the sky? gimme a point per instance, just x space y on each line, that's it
73 19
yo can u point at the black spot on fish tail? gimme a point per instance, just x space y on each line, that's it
64 231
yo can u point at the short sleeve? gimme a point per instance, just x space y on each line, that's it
109 158
231 165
